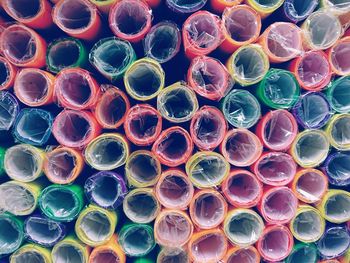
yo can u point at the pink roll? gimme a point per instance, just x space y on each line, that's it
339 57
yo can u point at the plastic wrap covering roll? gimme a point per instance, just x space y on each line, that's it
143 124
296 11
337 169
23 47
130 20
95 225
108 253
173 228
167 255
303 253
44 231
107 151
242 254
163 42
338 57
112 57
7 75
66 52
104 6
338 95
207 169
11 233
334 243
208 209
209 78
174 190
24 162
243 227
265 8
279 89
62 203
19 198
308 225
77 18
338 131
241 109
184 7
31 253
142 169
9 109
140 205
70 249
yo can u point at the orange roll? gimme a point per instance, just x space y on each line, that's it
174 190
241 26
331 261
111 108
111 252
242 254
23 47
209 246
76 89
77 18
281 41
339 57
63 165
220 5
242 189
208 209
9 72
35 14
34 87
172 228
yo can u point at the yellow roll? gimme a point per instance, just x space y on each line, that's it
69 250
265 10
338 131
111 247
31 253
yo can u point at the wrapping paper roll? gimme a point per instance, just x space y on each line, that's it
11 233
245 254
9 110
9 71
70 249
30 253
334 243
338 131
104 6
303 253
338 57
265 8
337 169
109 252
96 185
220 5
173 255
338 95
185 7
77 18
296 11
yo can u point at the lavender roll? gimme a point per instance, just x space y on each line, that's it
337 168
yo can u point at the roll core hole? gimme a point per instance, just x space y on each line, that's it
144 124
207 127
173 145
280 88
106 152
16 199
339 168
279 129
312 69
280 205
338 207
341 95
311 186
241 147
243 188
208 210
312 147
340 57
178 103
105 191
203 31
96 226
301 7
59 203
275 244
137 241
143 168
106 256
244 228
9 235
32 87
75 88
307 225
67 253
249 64
341 130
61 165
29 257
112 108
42 230
64 54
276 168
174 229
241 24
74 15
209 170
208 247
24 9
243 255
174 190
141 205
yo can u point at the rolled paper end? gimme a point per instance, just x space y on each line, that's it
184 7
310 148
173 255
31 253
110 252
130 20
77 18
335 206
208 128
339 96
201 34
308 224
144 79
173 228
23 162
309 185
338 57
246 254
104 6
143 124
142 169
334 243
209 78
107 151
296 11
276 243
141 205
265 8
23 47
10 109
241 147
241 26
8 74
106 189
111 57
303 252
241 109
163 42
242 189
279 89
174 190
75 129
278 205
338 131
137 240
70 249
11 233
173 147
208 246
337 168
208 209
65 53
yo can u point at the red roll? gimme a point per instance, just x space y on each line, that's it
220 5
9 71
339 57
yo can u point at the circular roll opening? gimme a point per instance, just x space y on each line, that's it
61 165
10 236
172 255
340 57
74 15
105 190
209 210
144 124
143 167
312 148
279 205
341 130
243 188
340 95
137 240
267 3
338 168
313 69
308 226
246 255
304 254
334 242
241 147
63 54
244 228
174 145
275 244
112 108
4 73
8 110
96 226
32 87
106 256
311 186
141 206
337 207
300 8
28 257
24 9
67 253
186 6
16 199
43 231
209 247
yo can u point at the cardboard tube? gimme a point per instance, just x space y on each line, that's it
143 124
208 246
337 169
220 5
209 78
208 209
245 254
106 189
173 147
8 74
130 20
265 8
31 253
337 131
309 185
34 87
10 109
296 11
185 7
77 18
208 128
23 47
70 249
107 151
276 243
334 243
201 34
104 6
109 252
338 95
338 57
303 253
140 205
173 228
241 147
174 190
11 233
167 255
75 129
308 224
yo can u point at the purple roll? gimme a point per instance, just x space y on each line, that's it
9 109
106 189
185 7
337 168
312 111
334 242
296 11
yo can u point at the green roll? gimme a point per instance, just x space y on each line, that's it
303 253
2 156
11 233
143 260
338 94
